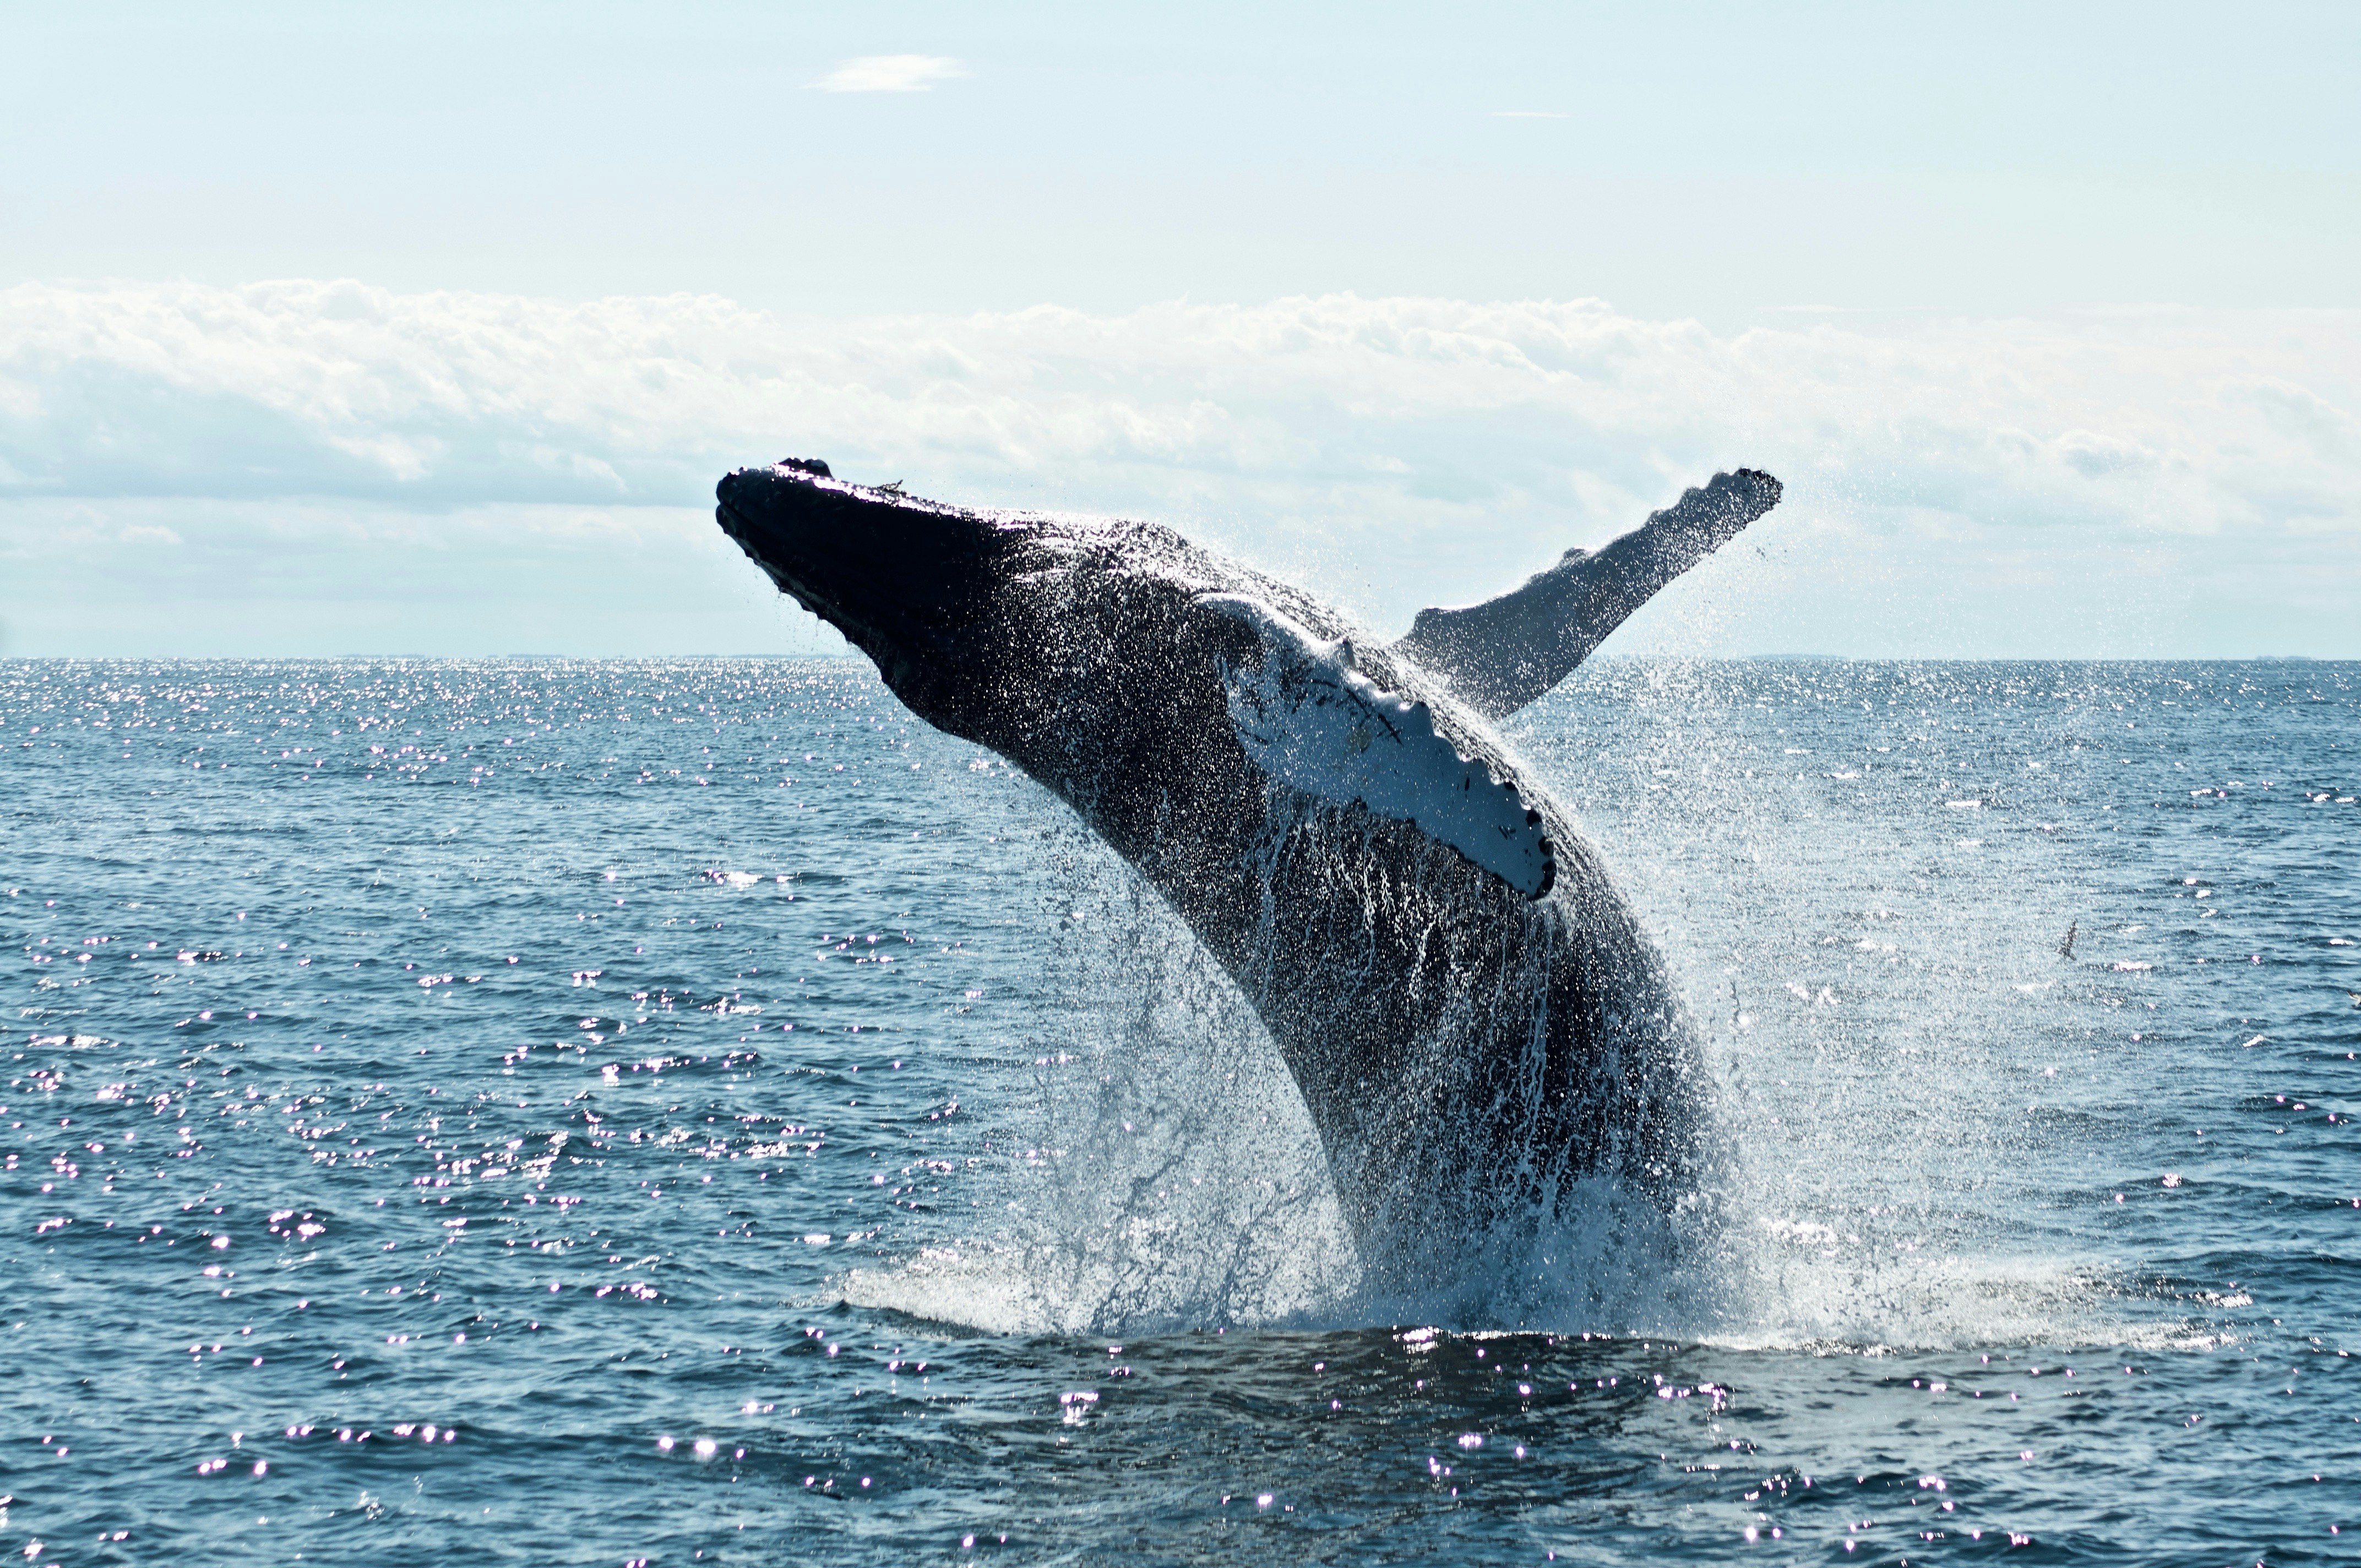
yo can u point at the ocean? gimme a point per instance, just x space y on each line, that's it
664 1112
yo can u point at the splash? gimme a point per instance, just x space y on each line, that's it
1150 1163
1908 1083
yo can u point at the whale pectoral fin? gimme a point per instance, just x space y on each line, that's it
1500 655
1309 720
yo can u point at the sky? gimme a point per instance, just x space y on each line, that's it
333 329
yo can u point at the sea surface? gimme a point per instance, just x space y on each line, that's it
672 1113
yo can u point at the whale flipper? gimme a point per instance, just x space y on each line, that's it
1500 655
1311 720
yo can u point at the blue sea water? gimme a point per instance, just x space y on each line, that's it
669 1113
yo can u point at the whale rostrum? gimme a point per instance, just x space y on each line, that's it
1470 1009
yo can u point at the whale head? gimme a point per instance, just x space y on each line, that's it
913 584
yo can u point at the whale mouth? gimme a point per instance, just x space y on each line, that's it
899 576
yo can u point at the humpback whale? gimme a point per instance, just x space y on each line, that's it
1472 1013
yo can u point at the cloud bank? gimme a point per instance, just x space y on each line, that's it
2110 482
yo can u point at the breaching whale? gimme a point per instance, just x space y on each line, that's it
1471 1012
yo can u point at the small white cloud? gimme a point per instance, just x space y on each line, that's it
148 535
891 73
1526 115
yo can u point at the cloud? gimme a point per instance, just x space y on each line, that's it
1390 452
1527 115
891 73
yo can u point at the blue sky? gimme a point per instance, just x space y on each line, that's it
420 329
